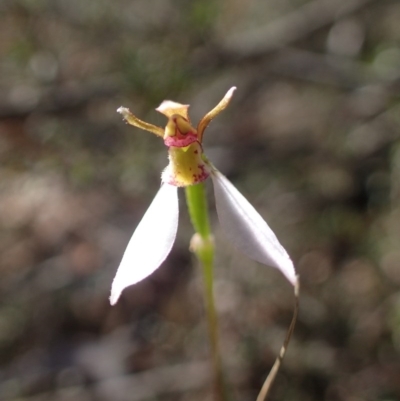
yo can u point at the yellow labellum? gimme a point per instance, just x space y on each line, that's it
186 166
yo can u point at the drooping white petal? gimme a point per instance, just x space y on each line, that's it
150 243
247 230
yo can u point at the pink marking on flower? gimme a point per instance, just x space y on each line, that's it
179 140
203 175
171 180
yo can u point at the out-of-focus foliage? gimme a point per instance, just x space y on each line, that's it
311 138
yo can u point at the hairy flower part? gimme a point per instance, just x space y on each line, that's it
186 166
155 234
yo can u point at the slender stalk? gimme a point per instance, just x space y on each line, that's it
278 361
198 209
202 245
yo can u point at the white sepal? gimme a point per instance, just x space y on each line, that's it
150 243
246 229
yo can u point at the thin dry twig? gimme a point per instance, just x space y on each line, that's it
275 368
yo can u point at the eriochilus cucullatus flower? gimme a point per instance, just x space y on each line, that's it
153 239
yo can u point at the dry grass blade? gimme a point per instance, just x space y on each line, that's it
275 368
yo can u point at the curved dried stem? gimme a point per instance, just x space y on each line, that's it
275 368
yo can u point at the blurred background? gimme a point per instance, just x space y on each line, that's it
311 138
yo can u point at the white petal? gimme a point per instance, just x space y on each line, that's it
150 243
247 230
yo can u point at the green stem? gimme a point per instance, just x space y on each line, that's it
203 246
198 209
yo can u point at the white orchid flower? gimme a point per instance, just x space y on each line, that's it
153 239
